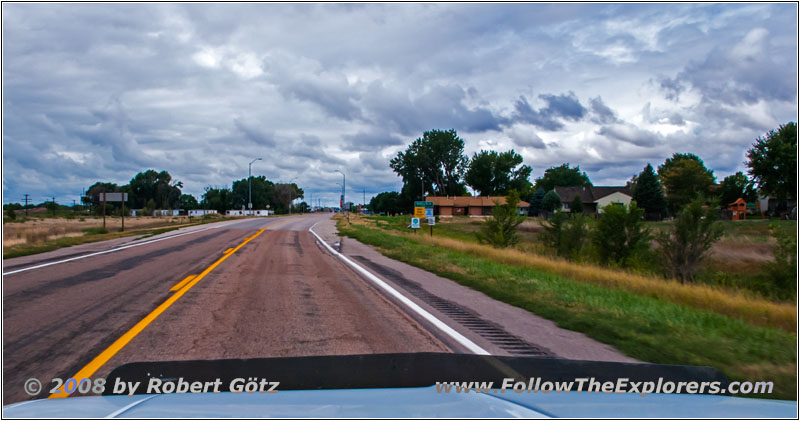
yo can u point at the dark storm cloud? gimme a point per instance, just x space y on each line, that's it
601 113
371 140
557 108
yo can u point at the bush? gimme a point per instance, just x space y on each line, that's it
687 242
10 214
620 233
501 229
95 231
566 234
782 273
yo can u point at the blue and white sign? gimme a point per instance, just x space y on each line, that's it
415 223
428 212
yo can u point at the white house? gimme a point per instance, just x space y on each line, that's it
594 198
255 212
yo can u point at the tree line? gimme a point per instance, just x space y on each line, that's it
435 164
151 190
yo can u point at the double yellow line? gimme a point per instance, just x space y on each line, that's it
181 288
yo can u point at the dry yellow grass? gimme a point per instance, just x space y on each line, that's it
730 303
757 311
41 230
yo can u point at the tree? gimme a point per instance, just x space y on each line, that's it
187 202
495 174
772 162
433 163
388 202
649 194
576 205
566 234
620 233
536 202
501 229
563 176
735 186
285 194
157 186
684 177
92 197
263 193
220 199
687 243
551 201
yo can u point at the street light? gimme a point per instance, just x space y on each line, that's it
344 183
291 194
250 185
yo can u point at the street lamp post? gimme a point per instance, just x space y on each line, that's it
344 183
250 185
291 194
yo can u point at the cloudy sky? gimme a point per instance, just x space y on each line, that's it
101 91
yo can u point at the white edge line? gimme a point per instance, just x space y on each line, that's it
461 339
127 407
113 250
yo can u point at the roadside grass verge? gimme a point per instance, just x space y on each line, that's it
91 235
644 326
727 302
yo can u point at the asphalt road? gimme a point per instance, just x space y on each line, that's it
255 293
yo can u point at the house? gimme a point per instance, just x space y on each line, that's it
474 206
201 212
594 198
254 212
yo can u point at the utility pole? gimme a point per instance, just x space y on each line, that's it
344 183
27 199
54 206
73 207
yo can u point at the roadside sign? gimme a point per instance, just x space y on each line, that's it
423 204
415 223
419 212
114 197
429 213
431 220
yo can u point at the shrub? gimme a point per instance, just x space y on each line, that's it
782 273
687 242
94 231
566 234
501 229
620 233
551 201
10 214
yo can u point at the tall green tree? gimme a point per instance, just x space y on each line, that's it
188 202
563 176
389 202
684 177
536 202
263 192
566 234
156 186
551 201
501 229
649 194
735 186
620 233
772 162
495 174
434 163
219 198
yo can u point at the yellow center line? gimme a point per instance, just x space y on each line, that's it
227 251
182 283
109 352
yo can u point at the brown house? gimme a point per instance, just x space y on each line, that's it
447 206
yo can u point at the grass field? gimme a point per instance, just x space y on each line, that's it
657 321
736 262
37 235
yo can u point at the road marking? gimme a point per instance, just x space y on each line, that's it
227 251
449 331
113 250
123 340
183 282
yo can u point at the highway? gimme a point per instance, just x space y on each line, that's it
274 293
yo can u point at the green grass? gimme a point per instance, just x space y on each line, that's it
642 327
